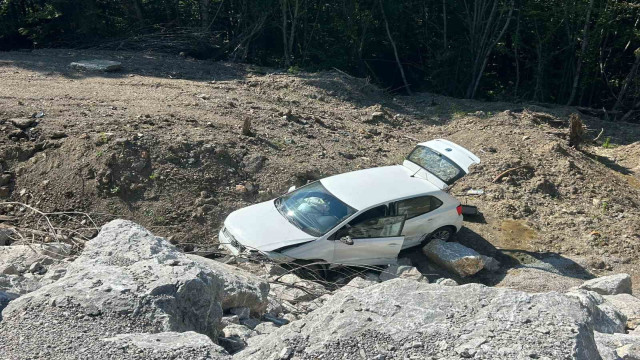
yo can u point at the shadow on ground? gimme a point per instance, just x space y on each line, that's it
514 263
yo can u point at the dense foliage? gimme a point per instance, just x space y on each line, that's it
580 52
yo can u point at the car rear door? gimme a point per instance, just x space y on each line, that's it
374 241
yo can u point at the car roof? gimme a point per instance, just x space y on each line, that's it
365 188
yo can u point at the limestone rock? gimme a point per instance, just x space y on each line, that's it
446 282
606 318
403 271
454 257
609 285
96 65
618 346
359 322
23 123
241 288
293 289
128 274
628 305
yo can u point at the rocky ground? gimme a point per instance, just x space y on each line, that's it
131 294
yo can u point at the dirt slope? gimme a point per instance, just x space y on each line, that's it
161 143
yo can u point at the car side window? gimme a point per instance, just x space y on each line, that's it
415 206
373 223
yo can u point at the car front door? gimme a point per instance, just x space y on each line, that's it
372 238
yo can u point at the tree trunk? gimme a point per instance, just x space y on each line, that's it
285 46
628 80
395 50
444 21
137 8
204 13
583 49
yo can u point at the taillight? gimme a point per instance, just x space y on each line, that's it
459 210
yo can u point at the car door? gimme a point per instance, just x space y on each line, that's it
421 214
372 238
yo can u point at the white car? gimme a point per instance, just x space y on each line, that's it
362 217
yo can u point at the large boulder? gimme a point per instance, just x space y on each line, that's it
241 289
134 282
606 318
454 257
402 318
618 346
609 285
628 305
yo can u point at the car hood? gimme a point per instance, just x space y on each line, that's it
263 228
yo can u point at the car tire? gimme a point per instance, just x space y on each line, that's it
444 233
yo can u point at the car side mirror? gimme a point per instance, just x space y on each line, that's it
346 240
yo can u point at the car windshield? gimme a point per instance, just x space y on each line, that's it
313 209
437 164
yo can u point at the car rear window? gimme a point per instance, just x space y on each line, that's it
437 164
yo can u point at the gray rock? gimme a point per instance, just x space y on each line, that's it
4 300
403 271
253 163
37 268
454 257
265 328
617 346
9 269
240 331
530 279
491 322
609 285
251 323
96 65
605 318
241 288
293 289
229 320
628 305
168 345
126 273
6 235
446 282
490 264
241 312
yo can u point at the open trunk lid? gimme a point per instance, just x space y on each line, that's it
440 161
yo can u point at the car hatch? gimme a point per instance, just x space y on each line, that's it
440 161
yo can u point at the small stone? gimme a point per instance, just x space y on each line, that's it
23 123
242 312
96 65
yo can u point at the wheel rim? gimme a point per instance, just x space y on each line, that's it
441 235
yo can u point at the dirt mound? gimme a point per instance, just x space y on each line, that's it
161 143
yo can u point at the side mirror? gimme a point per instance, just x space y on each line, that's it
346 240
291 189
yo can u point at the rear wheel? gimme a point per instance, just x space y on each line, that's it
444 233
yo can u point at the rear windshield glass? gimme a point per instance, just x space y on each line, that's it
313 209
437 164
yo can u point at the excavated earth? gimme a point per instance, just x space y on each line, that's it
161 143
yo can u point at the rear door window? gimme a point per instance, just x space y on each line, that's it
415 206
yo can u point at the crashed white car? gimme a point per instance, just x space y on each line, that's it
362 217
